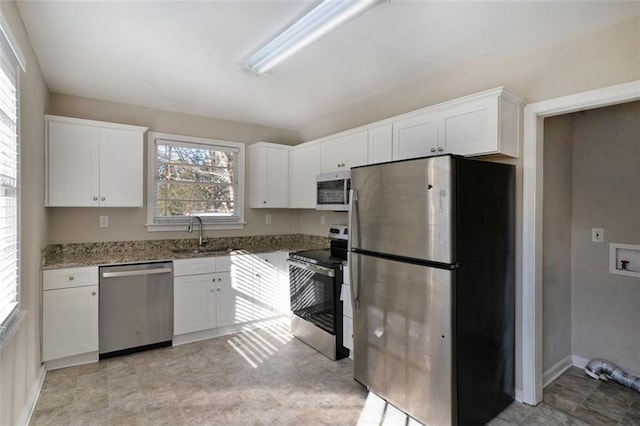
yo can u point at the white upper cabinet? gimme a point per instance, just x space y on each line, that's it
479 124
483 124
269 175
305 166
415 136
93 164
380 144
343 152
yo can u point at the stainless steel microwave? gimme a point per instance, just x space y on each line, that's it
333 191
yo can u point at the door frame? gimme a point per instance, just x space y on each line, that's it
532 196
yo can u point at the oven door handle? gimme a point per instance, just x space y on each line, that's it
312 268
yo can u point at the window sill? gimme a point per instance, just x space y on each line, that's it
154 227
8 334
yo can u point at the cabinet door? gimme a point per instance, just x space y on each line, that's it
415 136
305 167
380 144
73 165
269 177
228 310
194 300
265 271
331 158
69 322
242 292
355 150
120 168
470 128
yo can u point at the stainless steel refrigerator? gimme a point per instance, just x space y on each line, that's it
432 283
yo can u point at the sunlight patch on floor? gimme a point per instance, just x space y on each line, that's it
377 412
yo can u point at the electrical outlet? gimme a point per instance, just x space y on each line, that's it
322 221
104 221
597 235
267 219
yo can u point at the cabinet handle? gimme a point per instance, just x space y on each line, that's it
440 149
219 279
70 277
218 289
433 150
93 293
95 198
102 199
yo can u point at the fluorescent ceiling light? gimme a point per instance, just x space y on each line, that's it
326 17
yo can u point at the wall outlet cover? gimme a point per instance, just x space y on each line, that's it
597 235
104 221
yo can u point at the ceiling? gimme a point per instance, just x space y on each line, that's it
184 56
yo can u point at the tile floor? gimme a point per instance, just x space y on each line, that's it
267 377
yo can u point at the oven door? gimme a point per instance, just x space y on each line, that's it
313 294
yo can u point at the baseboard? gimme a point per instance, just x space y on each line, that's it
196 336
578 361
30 405
72 361
556 370
519 395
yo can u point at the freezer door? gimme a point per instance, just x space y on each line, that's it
405 208
403 335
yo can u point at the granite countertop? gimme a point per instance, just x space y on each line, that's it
119 252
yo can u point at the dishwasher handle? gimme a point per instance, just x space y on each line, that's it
136 272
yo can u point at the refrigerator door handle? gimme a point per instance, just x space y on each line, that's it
353 220
354 276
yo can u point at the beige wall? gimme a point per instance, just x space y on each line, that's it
605 308
602 58
556 236
67 225
20 360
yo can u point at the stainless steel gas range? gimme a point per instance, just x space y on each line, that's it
315 279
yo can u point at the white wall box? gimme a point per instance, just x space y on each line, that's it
269 175
304 167
70 314
624 259
93 163
343 152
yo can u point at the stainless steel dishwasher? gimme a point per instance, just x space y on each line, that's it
136 307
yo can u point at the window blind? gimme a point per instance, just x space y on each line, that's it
9 189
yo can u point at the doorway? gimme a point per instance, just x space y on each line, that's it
532 250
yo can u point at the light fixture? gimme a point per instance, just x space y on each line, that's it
326 17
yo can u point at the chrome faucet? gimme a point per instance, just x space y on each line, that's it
202 240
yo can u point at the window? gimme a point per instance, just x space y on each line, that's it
191 176
10 58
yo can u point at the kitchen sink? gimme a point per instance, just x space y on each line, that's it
205 250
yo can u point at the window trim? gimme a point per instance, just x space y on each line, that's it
208 222
9 325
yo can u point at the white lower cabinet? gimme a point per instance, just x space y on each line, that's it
254 279
69 312
217 292
201 294
200 302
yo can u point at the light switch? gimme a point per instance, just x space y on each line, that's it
104 221
597 235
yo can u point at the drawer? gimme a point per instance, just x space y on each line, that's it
201 265
345 296
53 279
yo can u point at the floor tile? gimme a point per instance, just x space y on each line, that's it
267 377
